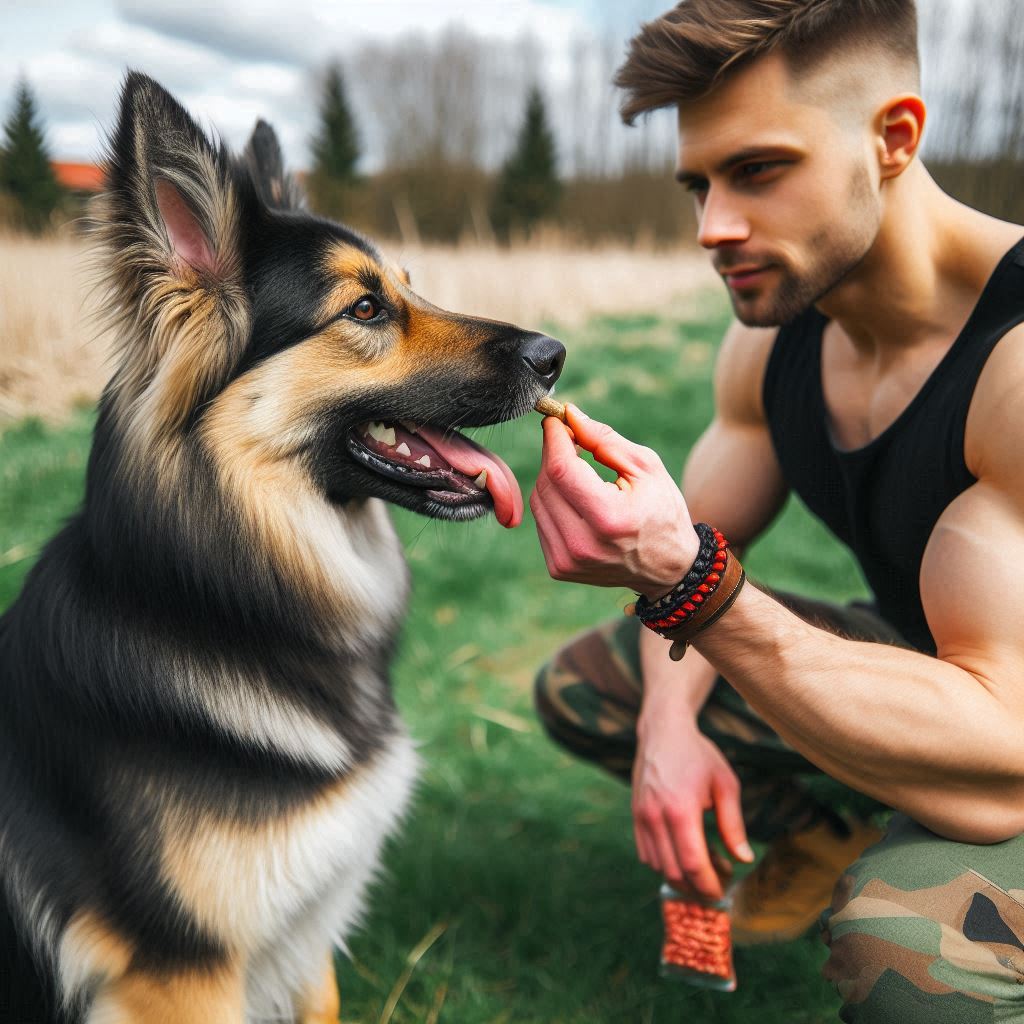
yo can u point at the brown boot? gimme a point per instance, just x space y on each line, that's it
783 896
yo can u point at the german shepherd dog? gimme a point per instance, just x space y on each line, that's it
200 755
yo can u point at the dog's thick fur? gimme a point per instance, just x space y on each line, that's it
200 756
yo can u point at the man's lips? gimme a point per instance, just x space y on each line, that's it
745 276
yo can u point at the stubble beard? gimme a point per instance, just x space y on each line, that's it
838 256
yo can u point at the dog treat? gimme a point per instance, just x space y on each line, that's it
698 940
548 406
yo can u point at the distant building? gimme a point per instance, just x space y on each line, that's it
81 178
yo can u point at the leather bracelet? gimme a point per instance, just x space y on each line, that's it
693 605
720 601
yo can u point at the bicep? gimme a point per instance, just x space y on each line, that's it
971 597
733 478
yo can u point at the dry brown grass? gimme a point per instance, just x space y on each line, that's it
51 358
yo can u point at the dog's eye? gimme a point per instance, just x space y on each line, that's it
366 308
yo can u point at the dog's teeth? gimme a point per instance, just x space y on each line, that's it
481 480
409 425
403 449
386 435
424 460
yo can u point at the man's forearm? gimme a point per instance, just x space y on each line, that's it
671 688
923 735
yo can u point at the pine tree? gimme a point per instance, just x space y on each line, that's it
335 148
528 188
25 170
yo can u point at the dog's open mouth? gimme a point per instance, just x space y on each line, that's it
454 472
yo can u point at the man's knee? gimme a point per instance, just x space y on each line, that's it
588 697
916 935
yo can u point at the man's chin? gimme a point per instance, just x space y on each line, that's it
754 314
767 310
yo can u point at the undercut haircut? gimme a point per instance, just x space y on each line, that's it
684 54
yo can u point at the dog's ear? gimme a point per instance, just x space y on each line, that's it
168 186
265 162
168 226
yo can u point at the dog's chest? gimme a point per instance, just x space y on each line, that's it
247 883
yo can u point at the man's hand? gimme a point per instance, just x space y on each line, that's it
678 774
633 533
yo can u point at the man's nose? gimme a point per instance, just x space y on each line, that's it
721 222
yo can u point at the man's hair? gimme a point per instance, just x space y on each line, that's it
685 53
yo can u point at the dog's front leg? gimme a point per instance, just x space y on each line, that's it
322 1004
214 995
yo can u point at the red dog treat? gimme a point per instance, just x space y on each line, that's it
698 940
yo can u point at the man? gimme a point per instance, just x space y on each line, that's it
875 369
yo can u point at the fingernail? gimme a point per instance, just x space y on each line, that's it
746 852
579 413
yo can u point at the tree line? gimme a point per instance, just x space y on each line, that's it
456 136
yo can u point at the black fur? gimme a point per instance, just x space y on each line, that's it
143 586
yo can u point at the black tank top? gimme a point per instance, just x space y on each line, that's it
884 499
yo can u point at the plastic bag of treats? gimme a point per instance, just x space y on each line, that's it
698 939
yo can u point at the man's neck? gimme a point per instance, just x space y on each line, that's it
924 272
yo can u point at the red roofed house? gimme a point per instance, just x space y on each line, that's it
78 177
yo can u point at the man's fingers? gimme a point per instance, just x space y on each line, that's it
729 813
563 470
690 848
667 862
643 850
552 543
610 448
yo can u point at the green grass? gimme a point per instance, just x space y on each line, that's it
514 881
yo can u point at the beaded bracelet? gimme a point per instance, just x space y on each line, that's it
707 554
698 600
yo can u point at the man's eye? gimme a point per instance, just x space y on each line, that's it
755 170
697 187
366 308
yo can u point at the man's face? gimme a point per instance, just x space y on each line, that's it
783 186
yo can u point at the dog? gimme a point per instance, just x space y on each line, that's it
200 755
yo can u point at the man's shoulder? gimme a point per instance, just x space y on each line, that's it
995 423
739 372
745 350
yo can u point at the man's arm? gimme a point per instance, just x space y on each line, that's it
732 480
941 739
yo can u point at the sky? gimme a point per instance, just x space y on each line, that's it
230 63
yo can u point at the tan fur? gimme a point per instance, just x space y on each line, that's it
243 881
256 430
323 1006
215 996
181 329
431 331
91 950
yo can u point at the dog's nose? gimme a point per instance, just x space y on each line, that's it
544 356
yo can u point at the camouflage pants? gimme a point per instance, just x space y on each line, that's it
921 930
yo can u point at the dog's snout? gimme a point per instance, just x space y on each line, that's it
544 356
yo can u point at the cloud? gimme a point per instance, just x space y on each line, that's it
120 45
307 32
229 68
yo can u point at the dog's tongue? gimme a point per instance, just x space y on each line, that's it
472 459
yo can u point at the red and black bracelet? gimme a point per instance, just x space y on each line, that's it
701 598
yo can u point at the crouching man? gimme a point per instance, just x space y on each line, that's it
876 369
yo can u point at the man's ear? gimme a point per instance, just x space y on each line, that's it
263 157
899 130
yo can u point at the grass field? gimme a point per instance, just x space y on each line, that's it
514 893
